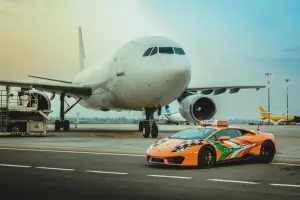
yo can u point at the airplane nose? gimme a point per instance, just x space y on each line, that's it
180 70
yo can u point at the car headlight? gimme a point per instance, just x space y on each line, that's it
151 147
180 149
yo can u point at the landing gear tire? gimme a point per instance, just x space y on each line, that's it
57 125
146 129
206 158
140 126
64 124
148 126
154 133
267 152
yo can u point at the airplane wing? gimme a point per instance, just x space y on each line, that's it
221 89
69 89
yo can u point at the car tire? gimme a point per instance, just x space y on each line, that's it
267 152
206 157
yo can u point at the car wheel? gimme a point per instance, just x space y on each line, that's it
267 152
206 158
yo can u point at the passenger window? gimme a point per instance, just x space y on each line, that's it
154 51
166 50
227 132
147 52
179 51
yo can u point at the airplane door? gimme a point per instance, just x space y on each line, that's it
123 85
123 60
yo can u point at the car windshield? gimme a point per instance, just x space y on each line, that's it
193 133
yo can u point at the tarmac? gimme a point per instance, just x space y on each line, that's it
108 162
124 138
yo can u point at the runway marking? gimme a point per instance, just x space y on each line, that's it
52 168
284 185
79 152
232 181
105 172
8 165
164 176
291 164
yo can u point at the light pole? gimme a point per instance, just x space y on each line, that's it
287 99
268 75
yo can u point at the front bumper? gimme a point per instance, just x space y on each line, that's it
177 160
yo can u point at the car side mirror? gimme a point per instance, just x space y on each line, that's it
224 138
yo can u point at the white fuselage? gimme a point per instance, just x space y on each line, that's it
175 117
132 81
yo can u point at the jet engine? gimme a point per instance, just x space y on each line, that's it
35 98
195 108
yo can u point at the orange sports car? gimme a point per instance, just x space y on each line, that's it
210 143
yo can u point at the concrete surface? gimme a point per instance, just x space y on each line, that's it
108 162
57 175
123 138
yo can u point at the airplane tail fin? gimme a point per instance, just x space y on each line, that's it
263 112
81 50
167 109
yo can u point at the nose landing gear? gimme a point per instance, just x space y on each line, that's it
148 126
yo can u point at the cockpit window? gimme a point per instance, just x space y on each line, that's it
179 51
166 50
147 52
154 51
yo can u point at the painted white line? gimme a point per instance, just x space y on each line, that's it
8 165
284 185
290 164
79 152
52 168
104 172
164 176
232 181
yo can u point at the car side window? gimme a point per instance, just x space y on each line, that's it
243 132
239 132
227 132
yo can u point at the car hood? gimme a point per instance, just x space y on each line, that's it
167 145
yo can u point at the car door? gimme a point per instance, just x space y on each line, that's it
228 148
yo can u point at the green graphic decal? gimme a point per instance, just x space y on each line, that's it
236 149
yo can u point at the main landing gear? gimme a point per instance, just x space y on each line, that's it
148 126
62 123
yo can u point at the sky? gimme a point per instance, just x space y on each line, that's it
228 42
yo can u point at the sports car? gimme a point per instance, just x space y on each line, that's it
210 143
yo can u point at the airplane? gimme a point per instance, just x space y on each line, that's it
174 117
143 75
278 118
